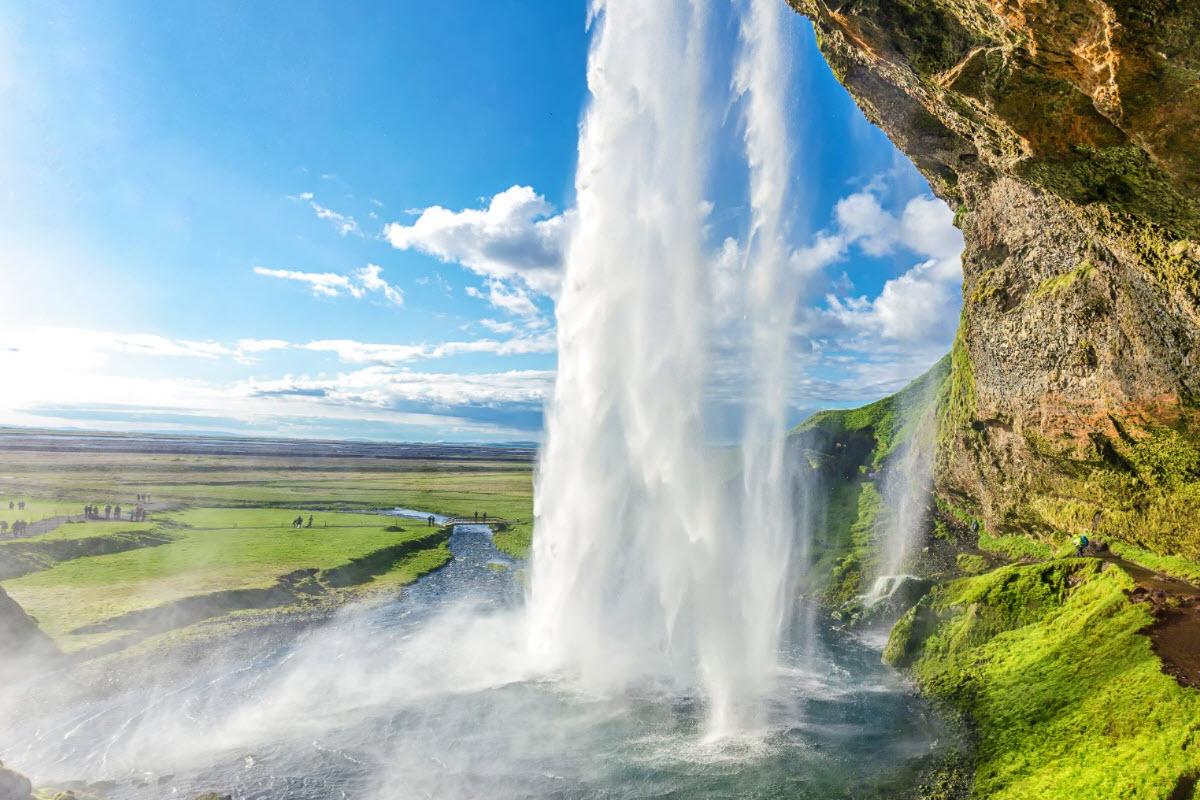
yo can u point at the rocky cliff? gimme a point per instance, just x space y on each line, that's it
20 637
1066 134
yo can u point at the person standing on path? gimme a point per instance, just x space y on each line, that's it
1081 542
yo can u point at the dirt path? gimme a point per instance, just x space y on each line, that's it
1175 606
51 523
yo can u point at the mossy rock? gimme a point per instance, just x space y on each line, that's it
14 785
971 564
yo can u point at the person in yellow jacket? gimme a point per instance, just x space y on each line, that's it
1081 542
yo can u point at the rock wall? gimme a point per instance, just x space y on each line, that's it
1066 135
20 637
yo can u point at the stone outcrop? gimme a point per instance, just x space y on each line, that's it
14 786
20 637
1066 135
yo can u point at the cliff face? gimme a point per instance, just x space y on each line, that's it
20 636
1066 133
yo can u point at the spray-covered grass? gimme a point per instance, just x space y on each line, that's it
515 539
891 421
90 590
231 531
38 508
851 570
81 530
277 518
1068 700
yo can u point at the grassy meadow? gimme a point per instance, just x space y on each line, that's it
220 540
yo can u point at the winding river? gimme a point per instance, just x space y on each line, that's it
429 696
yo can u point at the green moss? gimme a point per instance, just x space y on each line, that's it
1176 566
1067 698
851 570
515 539
956 400
1125 179
1015 548
987 288
892 421
1060 282
971 564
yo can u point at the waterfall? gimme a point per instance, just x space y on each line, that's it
659 558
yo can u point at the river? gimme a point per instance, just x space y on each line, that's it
430 696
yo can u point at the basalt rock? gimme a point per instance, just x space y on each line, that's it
14 786
21 640
1066 135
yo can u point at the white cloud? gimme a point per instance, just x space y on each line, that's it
327 284
343 223
381 387
262 345
69 373
919 306
517 243
354 352
369 278
364 281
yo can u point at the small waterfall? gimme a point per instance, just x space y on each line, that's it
656 558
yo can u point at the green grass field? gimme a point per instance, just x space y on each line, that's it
227 526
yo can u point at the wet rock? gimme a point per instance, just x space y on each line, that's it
14 785
214 796
21 640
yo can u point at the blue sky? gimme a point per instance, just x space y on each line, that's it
310 219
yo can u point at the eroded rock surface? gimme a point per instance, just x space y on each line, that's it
1066 134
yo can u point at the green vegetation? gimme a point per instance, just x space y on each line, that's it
846 450
514 538
1015 548
1067 698
1060 282
1175 566
891 421
220 541
971 564
956 398
87 591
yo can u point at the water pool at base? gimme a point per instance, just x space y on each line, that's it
429 696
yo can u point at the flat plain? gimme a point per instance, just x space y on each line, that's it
219 543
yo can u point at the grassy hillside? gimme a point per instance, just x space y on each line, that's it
843 455
1067 697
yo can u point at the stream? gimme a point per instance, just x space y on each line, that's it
429 695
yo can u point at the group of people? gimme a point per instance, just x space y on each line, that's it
481 518
110 511
298 522
19 527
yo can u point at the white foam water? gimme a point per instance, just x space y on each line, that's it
656 558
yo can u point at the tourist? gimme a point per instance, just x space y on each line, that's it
310 520
1081 542
477 516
